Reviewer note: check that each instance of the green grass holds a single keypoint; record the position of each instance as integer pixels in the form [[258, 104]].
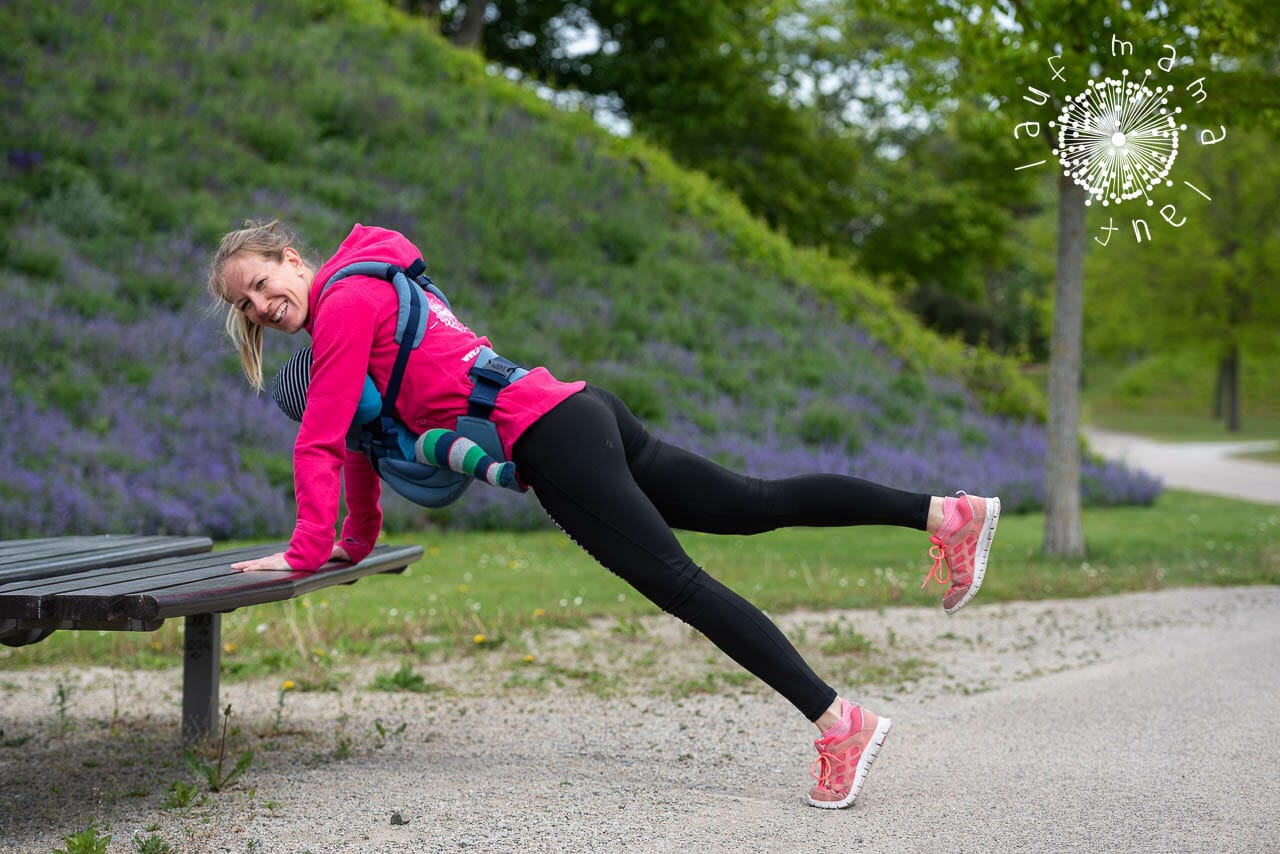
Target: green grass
[[480, 591], [1169, 396], [1272, 456], [1185, 427]]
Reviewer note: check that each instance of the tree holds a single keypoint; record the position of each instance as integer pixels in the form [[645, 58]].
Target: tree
[[463, 23], [940, 213], [779, 102], [695, 77], [1011, 51], [1208, 285]]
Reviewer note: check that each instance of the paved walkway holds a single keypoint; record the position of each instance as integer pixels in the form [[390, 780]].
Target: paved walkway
[[1208, 467]]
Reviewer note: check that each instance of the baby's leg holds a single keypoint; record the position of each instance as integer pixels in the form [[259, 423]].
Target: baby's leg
[[451, 450]]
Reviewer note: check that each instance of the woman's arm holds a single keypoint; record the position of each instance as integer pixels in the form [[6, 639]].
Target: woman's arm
[[342, 337], [364, 512]]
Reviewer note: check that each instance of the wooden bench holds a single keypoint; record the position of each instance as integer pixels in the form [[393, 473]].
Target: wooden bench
[[136, 583]]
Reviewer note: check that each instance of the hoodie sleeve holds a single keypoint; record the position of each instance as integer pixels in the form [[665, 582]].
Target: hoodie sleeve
[[364, 513], [341, 341]]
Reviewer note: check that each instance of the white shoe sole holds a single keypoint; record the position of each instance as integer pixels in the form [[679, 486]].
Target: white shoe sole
[[981, 553], [864, 764]]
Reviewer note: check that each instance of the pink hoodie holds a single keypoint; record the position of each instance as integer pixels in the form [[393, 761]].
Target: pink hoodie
[[352, 327]]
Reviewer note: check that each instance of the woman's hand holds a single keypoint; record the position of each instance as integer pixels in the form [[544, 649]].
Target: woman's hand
[[275, 561]]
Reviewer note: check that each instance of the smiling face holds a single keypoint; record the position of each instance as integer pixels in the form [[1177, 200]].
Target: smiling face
[[269, 293]]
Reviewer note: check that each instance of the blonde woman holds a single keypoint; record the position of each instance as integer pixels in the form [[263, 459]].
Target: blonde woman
[[611, 486]]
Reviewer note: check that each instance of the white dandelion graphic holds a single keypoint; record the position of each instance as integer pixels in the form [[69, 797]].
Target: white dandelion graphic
[[1118, 139]]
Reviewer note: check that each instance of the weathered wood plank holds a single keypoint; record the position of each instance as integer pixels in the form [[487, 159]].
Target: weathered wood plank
[[23, 560], [192, 584]]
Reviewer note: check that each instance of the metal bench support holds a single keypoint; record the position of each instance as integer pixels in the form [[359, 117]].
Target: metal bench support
[[202, 656]]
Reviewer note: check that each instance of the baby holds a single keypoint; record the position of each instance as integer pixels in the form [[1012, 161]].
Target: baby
[[438, 447]]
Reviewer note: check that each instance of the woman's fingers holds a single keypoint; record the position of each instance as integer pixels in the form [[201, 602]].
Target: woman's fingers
[[275, 561]]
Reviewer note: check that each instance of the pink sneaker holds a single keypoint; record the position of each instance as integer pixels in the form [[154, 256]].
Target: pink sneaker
[[845, 754], [963, 543]]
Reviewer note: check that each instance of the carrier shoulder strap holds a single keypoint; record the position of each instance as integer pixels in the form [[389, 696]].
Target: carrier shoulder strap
[[412, 317], [490, 373]]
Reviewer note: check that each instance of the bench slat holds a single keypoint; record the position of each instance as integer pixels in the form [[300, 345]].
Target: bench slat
[[18, 551], [50, 559], [113, 592], [193, 585], [124, 577], [237, 590]]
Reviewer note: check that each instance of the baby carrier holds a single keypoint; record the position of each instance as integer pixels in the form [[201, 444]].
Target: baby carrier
[[376, 432]]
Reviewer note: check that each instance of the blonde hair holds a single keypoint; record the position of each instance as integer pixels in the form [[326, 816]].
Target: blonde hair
[[268, 239]]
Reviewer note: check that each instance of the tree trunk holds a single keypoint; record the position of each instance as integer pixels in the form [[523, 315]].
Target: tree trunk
[[1063, 527], [472, 27], [1220, 389], [1231, 384]]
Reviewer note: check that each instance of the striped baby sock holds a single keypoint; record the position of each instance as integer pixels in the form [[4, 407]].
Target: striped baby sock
[[451, 450]]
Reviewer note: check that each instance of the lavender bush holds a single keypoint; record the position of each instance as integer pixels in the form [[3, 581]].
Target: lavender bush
[[141, 427], [154, 431]]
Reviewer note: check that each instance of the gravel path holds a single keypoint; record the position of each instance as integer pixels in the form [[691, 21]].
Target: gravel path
[[1144, 722]]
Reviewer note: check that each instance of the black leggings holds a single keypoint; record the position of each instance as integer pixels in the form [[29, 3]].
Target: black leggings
[[617, 491]]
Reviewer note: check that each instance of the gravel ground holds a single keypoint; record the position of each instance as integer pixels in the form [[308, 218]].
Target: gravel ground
[[1144, 722]]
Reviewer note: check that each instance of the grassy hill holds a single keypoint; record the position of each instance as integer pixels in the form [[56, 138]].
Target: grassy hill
[[137, 133]]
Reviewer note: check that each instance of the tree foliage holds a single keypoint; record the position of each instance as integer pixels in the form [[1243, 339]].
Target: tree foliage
[[694, 76], [952, 54], [1207, 285]]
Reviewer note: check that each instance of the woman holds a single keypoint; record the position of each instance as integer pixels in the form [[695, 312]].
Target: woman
[[614, 489]]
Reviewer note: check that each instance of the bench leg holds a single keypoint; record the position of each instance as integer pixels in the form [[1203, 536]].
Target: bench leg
[[202, 657]]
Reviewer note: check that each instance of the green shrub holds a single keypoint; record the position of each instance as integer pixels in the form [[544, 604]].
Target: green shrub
[[277, 138], [33, 259], [76, 204], [824, 423], [643, 396], [276, 467], [152, 291]]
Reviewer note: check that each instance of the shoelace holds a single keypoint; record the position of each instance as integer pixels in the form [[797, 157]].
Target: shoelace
[[823, 769], [939, 554]]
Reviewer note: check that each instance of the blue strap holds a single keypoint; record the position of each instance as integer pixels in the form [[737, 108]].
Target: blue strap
[[397, 371], [418, 272], [489, 375], [408, 295]]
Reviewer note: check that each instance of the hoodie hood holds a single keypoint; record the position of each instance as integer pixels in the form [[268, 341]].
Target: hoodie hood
[[364, 243]]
